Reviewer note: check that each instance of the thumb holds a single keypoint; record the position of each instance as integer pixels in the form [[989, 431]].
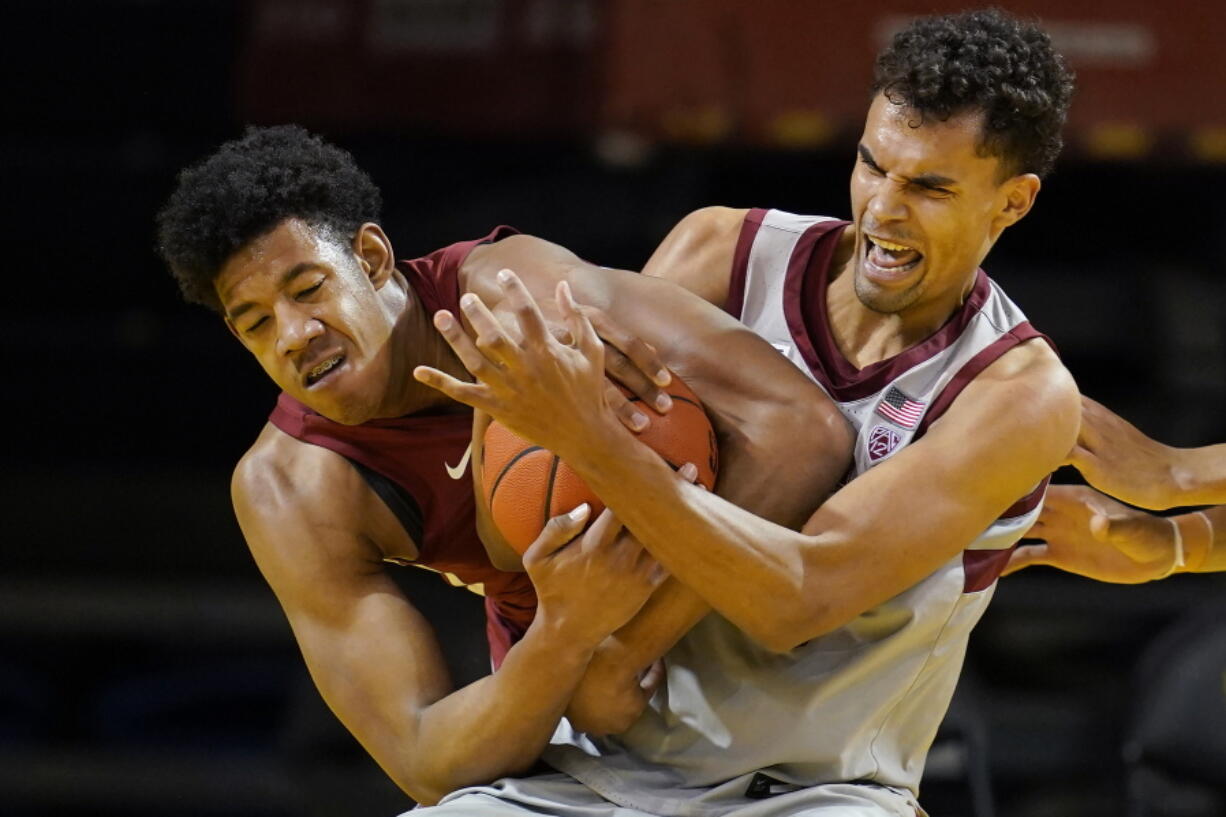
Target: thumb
[[653, 676], [557, 532], [1025, 556]]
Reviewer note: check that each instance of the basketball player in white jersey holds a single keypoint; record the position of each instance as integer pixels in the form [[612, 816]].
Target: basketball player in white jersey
[[818, 684]]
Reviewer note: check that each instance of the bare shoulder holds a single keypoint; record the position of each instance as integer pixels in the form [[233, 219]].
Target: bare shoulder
[[280, 475], [299, 502], [1031, 395], [698, 252], [1032, 366]]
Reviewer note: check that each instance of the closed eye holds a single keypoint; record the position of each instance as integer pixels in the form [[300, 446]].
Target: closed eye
[[309, 290], [251, 329]]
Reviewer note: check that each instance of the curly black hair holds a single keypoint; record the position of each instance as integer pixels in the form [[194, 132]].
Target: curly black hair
[[248, 187], [989, 61]]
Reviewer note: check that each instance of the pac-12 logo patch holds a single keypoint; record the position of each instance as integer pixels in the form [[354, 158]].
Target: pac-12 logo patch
[[882, 441]]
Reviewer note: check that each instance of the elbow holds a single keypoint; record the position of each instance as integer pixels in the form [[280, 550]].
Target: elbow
[[787, 627], [795, 624]]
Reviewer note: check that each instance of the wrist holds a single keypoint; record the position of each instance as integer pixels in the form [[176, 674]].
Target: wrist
[[1196, 534], [599, 441], [564, 635]]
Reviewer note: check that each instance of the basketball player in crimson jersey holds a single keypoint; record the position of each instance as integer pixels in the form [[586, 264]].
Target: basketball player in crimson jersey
[[820, 686], [360, 466]]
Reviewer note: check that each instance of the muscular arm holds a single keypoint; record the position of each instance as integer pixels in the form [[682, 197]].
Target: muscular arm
[[1115, 457], [783, 444], [697, 253], [877, 536], [373, 657]]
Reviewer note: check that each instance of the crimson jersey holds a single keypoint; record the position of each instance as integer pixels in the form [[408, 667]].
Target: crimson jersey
[[409, 462]]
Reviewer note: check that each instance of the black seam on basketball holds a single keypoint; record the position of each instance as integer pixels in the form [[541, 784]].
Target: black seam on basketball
[[553, 473], [507, 467]]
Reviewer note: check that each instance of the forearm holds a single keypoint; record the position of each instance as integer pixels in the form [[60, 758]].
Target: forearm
[[712, 547], [1199, 476], [491, 728], [614, 690]]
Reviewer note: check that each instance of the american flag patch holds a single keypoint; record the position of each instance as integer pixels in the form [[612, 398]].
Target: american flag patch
[[899, 408]]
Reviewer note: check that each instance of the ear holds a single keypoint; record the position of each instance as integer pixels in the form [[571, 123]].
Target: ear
[[1019, 193], [374, 252]]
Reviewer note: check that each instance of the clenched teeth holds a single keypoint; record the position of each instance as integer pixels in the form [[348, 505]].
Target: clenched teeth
[[323, 368], [889, 245]]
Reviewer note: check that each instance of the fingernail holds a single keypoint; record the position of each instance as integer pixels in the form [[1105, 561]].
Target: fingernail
[[444, 321], [639, 419], [467, 300], [689, 472], [664, 402], [663, 377], [579, 513], [504, 276]]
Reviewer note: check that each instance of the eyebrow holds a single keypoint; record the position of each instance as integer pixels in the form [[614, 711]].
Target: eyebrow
[[288, 276], [927, 180]]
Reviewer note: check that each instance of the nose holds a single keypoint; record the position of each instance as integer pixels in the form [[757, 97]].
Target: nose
[[297, 329], [888, 202]]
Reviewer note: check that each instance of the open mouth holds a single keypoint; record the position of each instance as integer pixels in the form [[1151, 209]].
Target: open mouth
[[890, 258], [322, 369]]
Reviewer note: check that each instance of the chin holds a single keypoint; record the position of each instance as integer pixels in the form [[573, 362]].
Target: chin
[[884, 301]]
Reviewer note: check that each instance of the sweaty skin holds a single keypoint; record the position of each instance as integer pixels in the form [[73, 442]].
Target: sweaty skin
[[305, 307], [928, 193]]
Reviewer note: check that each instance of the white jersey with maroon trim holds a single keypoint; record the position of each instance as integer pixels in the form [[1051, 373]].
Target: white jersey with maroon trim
[[863, 703]]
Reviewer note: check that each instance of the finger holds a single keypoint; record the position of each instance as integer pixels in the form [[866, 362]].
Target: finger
[[586, 339], [688, 472], [561, 334], [603, 531], [492, 339], [557, 532], [527, 313], [466, 350], [1025, 556], [641, 354], [653, 676], [627, 411], [471, 394], [622, 369]]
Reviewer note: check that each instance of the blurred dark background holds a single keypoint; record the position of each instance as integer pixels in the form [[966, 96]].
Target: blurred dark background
[[145, 668]]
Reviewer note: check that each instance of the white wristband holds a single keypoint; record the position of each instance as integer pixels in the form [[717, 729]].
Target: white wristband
[[1208, 522], [1179, 559]]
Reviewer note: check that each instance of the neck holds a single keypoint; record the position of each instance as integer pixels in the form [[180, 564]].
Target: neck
[[865, 336], [415, 342]]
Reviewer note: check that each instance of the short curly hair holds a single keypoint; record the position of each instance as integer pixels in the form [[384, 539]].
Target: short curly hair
[[248, 187], [989, 61]]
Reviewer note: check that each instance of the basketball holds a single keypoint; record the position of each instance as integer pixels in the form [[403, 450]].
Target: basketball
[[526, 485]]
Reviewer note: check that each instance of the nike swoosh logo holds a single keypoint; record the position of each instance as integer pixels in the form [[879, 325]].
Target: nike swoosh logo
[[457, 471]]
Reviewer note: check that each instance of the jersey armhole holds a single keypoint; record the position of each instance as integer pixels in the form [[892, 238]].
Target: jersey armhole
[[399, 501]]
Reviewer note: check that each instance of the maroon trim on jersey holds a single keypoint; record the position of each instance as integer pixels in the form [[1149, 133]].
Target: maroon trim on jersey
[[982, 567], [735, 302], [434, 277], [973, 367], [808, 268], [804, 306], [1029, 502]]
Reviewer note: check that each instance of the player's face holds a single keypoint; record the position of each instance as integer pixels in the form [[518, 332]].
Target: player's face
[[927, 209], [307, 308]]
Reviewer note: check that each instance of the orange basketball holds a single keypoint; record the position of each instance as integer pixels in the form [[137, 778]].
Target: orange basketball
[[526, 485]]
